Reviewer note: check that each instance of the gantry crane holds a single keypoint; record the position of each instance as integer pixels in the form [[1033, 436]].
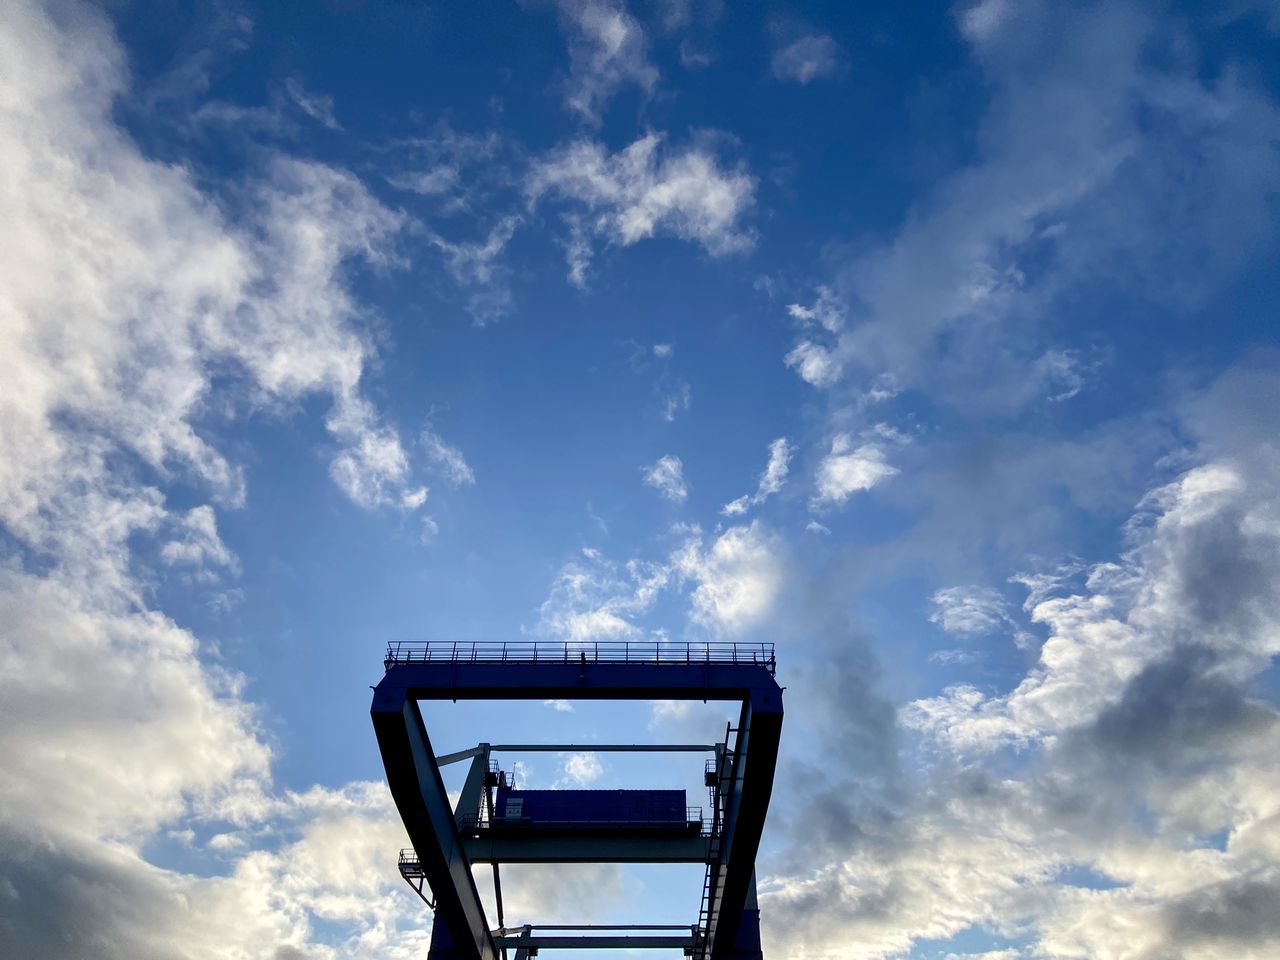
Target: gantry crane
[[495, 823]]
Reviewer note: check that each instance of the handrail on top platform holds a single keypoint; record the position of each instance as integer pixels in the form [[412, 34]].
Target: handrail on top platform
[[595, 651]]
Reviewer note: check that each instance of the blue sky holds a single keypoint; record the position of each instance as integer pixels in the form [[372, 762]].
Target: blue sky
[[936, 345]]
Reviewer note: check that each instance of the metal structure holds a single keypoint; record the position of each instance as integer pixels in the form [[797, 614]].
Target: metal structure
[[494, 823]]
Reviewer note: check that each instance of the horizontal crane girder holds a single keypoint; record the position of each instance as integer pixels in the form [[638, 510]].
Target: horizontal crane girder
[[625, 942], [586, 849]]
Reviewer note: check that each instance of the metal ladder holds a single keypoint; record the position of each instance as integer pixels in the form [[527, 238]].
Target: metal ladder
[[702, 940]]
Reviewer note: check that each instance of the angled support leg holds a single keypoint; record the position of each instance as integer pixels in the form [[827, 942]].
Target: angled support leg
[[460, 930]]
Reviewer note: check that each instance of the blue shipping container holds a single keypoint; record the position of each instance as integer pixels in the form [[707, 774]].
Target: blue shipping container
[[665, 808]]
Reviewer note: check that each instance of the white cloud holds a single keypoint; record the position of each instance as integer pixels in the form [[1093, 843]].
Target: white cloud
[[137, 283], [151, 734], [775, 471], [643, 191], [607, 51], [669, 712], [1131, 615], [735, 583], [145, 267], [972, 611], [666, 476], [816, 364], [413, 499], [124, 292], [846, 470], [200, 545], [582, 769], [738, 579], [1147, 766], [771, 481], [446, 459], [591, 599], [806, 59], [373, 468], [827, 311]]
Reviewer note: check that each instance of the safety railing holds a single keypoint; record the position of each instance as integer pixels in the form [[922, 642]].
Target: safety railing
[[601, 651], [414, 875]]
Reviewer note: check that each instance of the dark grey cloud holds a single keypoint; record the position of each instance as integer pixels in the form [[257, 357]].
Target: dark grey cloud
[[1237, 917]]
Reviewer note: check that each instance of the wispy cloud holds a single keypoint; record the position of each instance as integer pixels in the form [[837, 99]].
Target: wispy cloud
[[771, 480], [827, 312], [969, 610], [477, 265], [446, 459], [1053, 200], [317, 106], [643, 191], [607, 51], [666, 476], [197, 544], [807, 58]]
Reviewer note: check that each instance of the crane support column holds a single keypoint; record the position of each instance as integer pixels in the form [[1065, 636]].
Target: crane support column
[[460, 927]]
